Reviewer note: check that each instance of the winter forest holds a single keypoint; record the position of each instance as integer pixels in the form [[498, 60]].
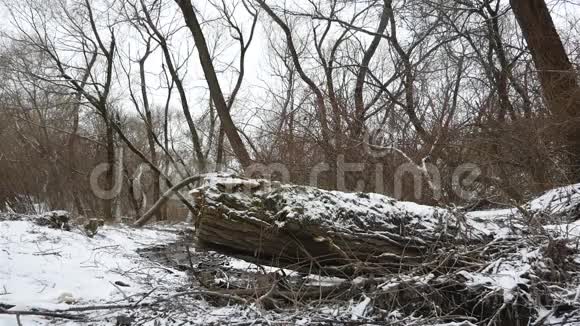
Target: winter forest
[[290, 162]]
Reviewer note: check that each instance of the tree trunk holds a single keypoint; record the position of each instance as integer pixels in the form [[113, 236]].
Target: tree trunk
[[71, 149], [309, 229], [110, 174], [149, 129], [359, 122], [161, 40], [220, 163], [214, 87], [556, 73]]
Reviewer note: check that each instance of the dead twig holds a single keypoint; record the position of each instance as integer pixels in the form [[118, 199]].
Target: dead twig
[[120, 290], [53, 314], [65, 313]]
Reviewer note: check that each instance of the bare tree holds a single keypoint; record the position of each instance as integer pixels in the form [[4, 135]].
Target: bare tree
[[556, 73], [92, 44], [217, 96], [173, 70]]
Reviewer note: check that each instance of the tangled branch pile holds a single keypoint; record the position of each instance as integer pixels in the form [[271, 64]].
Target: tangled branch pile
[[401, 260]]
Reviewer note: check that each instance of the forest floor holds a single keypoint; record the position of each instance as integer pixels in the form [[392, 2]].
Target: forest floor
[[126, 274], [153, 276]]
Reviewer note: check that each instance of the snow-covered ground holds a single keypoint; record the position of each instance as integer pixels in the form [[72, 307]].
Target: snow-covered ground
[[54, 269], [67, 272]]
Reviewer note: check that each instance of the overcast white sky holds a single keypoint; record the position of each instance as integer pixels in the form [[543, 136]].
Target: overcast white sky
[[258, 74]]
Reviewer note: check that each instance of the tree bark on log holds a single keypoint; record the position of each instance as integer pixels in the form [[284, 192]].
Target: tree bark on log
[[312, 230]]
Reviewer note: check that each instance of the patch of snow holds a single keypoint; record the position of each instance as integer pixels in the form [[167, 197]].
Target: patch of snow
[[505, 275], [398, 280], [557, 201], [566, 230], [46, 268], [361, 309]]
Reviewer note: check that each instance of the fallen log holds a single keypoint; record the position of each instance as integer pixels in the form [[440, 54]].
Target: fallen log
[[313, 230]]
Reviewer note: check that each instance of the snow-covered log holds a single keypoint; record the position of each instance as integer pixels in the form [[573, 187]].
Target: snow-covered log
[[306, 228]]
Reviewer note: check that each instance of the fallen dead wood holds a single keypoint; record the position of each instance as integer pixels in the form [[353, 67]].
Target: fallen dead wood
[[309, 229], [69, 313], [172, 191], [52, 314]]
